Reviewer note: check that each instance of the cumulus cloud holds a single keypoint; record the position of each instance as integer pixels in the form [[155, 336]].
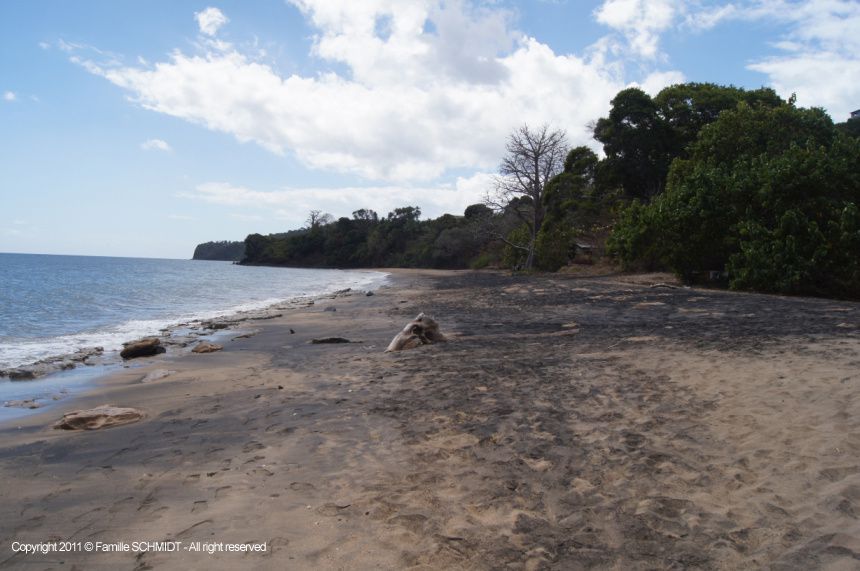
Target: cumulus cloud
[[9, 96], [210, 20], [413, 103], [640, 21], [819, 57], [155, 145], [656, 81]]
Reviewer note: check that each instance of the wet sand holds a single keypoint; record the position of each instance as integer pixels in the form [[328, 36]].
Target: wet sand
[[570, 423]]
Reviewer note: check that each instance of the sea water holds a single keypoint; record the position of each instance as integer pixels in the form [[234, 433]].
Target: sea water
[[54, 305]]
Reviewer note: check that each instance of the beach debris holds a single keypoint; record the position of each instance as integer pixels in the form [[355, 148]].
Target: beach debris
[[104, 416], [330, 308], [26, 403], [292, 332], [330, 340], [369, 293], [647, 304], [142, 348], [206, 347], [156, 375], [422, 330], [247, 335]]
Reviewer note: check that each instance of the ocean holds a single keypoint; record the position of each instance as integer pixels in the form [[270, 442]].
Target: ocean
[[54, 305]]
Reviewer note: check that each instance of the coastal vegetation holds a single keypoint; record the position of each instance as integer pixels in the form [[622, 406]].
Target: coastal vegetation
[[713, 183], [225, 250]]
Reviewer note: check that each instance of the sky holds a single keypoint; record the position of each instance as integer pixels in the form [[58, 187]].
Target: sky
[[145, 128]]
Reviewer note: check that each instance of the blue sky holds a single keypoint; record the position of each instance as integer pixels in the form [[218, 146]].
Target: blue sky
[[144, 128]]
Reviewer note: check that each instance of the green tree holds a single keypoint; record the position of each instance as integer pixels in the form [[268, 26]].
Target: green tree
[[642, 136], [571, 203], [637, 144], [769, 194]]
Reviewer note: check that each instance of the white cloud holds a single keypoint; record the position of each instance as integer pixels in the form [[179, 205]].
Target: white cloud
[[823, 79], [210, 20], [413, 103], [181, 217], [820, 59], [293, 204], [155, 145], [641, 22], [45, 45], [818, 49], [656, 81], [9, 96]]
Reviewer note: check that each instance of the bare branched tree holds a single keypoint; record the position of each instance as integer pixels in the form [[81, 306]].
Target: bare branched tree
[[317, 218], [533, 157]]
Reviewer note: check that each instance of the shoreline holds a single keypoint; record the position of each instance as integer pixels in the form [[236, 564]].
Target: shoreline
[[92, 363], [567, 423]]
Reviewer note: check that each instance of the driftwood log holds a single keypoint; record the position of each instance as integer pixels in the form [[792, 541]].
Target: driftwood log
[[422, 330]]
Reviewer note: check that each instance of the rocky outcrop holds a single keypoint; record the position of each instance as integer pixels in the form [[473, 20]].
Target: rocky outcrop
[[52, 364], [104, 416], [22, 374], [206, 347], [142, 348], [215, 325]]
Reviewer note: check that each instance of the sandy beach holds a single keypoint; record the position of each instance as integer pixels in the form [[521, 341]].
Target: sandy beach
[[569, 423]]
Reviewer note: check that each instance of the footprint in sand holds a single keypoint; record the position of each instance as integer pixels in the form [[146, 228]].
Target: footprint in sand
[[199, 506], [120, 504], [331, 509], [413, 522], [252, 446], [302, 487], [88, 512], [194, 527], [261, 471]]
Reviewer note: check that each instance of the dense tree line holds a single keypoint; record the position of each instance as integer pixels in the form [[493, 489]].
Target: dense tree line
[[224, 250], [701, 179], [768, 197], [400, 239]]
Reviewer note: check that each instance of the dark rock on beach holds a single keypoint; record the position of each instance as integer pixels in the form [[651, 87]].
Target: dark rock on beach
[[142, 348], [326, 340], [21, 374], [218, 324]]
